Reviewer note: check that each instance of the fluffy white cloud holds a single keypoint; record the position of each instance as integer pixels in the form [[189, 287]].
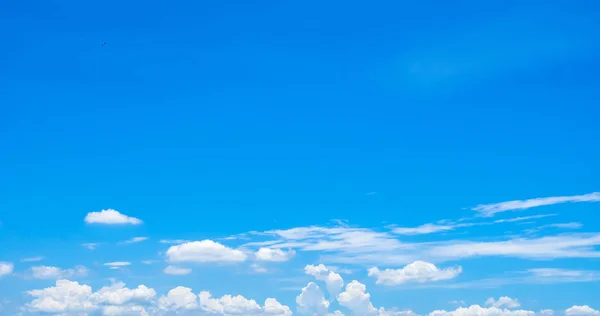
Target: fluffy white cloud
[[134, 310], [179, 298], [333, 281], [503, 301], [204, 251], [312, 301], [583, 310], [110, 217], [546, 312], [418, 271], [491, 209], [273, 254], [118, 294], [356, 299], [173, 270], [273, 307], [6, 268], [476, 310], [49, 272], [64, 297]]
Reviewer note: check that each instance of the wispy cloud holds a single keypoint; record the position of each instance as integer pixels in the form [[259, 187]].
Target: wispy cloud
[[173, 241], [134, 240], [49, 272], [91, 245], [431, 228], [32, 259], [494, 208]]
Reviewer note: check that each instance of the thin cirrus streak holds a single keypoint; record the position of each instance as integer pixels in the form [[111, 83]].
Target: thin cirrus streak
[[488, 210]]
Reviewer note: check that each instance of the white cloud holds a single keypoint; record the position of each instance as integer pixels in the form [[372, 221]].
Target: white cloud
[[423, 229], [476, 310], [356, 299], [49, 272], [312, 301], [117, 264], [274, 255], [135, 240], [110, 217], [32, 259], [179, 298], [173, 270], [418, 271], [581, 311], [173, 241], [118, 294], [133, 310], [204, 251], [149, 261], [333, 281], [6, 268], [273, 307], [258, 268], [503, 301], [64, 297], [546, 312], [563, 246], [90, 245], [491, 209]]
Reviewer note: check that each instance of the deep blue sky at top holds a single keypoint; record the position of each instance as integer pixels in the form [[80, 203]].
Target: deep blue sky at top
[[219, 117]]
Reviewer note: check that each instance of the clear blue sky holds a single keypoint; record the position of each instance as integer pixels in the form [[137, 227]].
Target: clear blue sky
[[208, 120]]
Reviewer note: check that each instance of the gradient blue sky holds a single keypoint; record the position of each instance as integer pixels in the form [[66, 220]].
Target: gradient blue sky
[[213, 120]]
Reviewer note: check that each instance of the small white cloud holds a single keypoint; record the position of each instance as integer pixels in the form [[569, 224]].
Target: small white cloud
[[423, 229], [6, 268], [503, 301], [583, 310], [333, 281], [356, 299], [258, 268], [173, 241], [204, 251], [491, 209], [546, 312], [110, 217], [135, 240], [90, 245], [32, 259], [149, 261], [173, 270], [457, 302], [49, 272], [117, 264], [418, 271], [274, 255], [312, 301], [476, 310]]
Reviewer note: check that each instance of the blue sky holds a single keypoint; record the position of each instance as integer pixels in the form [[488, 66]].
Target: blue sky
[[151, 170]]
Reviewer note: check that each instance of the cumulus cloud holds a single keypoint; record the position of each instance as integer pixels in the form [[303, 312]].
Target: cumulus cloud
[[65, 297], [118, 294], [503, 301], [273, 254], [583, 310], [312, 301], [333, 281], [204, 251], [418, 271], [49, 272], [179, 298], [476, 310], [356, 299], [173, 270], [494, 208], [6, 268], [110, 217]]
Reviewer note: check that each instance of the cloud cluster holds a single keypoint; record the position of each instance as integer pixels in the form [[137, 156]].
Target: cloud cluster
[[6, 268]]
